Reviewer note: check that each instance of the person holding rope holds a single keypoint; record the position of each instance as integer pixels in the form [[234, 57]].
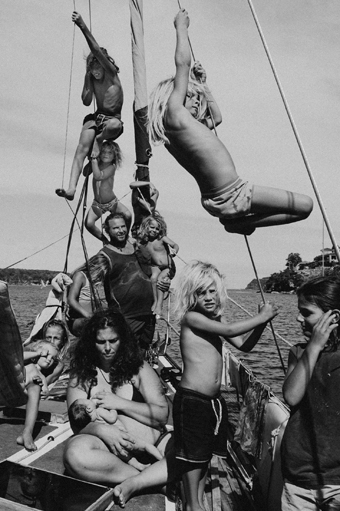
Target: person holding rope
[[102, 83], [105, 200], [179, 118]]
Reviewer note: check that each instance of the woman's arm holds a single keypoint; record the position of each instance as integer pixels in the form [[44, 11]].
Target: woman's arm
[[300, 371], [153, 412], [79, 281]]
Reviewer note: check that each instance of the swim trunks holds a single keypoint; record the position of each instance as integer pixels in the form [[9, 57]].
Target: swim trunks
[[108, 206], [200, 426], [98, 121], [231, 201]]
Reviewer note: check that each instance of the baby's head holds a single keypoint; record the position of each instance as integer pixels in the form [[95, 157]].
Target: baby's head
[[50, 354], [81, 413], [55, 332], [111, 152]]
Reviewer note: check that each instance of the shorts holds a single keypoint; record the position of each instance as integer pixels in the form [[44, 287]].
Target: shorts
[[108, 206], [200, 426], [98, 121], [231, 201], [297, 498]]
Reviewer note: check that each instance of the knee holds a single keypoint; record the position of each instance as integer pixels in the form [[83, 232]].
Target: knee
[[74, 454], [114, 127]]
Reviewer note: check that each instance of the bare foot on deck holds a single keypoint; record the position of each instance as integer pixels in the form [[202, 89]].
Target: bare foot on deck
[[67, 194], [26, 440], [124, 491], [97, 145]]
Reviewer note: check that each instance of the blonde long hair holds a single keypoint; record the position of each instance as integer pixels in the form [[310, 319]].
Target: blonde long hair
[[158, 103], [195, 278]]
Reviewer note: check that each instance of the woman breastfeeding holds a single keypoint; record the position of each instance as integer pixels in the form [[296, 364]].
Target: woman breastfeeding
[[108, 368]]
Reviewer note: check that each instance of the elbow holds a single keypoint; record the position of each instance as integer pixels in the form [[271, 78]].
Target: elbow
[[290, 398]]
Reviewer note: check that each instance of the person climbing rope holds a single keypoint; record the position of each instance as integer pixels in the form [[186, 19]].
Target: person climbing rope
[[179, 118], [103, 84]]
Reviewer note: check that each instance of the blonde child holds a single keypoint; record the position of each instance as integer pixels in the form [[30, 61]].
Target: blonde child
[[39, 375], [101, 83], [160, 249], [105, 199], [179, 119], [199, 413], [84, 411]]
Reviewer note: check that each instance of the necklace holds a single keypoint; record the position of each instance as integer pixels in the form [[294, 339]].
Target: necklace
[[107, 381]]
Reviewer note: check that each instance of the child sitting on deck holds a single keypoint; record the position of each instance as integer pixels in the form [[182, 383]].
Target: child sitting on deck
[[105, 199], [38, 376], [175, 119], [199, 412], [154, 243], [310, 446], [84, 411], [101, 83]]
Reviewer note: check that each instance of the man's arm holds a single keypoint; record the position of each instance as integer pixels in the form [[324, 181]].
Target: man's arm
[[87, 92]]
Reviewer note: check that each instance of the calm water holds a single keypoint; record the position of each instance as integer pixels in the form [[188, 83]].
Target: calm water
[[264, 361]]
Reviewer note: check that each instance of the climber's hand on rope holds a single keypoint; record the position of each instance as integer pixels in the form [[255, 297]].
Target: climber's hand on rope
[[268, 311], [77, 19], [182, 19], [198, 72]]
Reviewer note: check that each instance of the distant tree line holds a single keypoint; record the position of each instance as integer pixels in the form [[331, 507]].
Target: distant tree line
[[295, 273], [22, 276]]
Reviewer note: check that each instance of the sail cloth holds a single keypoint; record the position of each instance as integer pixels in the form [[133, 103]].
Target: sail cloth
[[140, 107], [12, 372]]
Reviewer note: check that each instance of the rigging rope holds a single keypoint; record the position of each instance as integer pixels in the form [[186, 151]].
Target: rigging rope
[[292, 123]]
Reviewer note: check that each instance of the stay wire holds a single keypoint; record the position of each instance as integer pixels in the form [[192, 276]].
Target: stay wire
[[264, 301], [292, 123]]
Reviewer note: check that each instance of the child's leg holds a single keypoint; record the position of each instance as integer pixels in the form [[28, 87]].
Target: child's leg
[[123, 210], [112, 130], [155, 272], [271, 206], [160, 294], [32, 407], [194, 483], [84, 145], [92, 216]]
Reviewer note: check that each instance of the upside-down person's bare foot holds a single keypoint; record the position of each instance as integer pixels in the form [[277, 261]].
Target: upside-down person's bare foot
[[26, 440], [69, 195]]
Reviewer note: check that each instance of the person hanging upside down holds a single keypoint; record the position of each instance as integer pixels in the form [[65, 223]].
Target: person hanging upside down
[[153, 242], [103, 84], [179, 118], [105, 199]]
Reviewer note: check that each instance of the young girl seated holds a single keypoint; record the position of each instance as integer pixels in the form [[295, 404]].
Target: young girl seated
[[154, 243], [105, 200], [84, 411], [39, 375], [179, 118]]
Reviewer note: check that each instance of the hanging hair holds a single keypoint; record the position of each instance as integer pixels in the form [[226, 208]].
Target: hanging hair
[[92, 267], [158, 104], [85, 358], [195, 278], [143, 231], [92, 60], [324, 292], [118, 156]]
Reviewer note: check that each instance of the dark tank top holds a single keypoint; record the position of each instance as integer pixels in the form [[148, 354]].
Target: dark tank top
[[126, 285], [311, 442]]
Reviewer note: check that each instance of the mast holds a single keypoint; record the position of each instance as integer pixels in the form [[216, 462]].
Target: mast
[[140, 108]]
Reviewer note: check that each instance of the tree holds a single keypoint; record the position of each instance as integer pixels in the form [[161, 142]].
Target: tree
[[293, 260]]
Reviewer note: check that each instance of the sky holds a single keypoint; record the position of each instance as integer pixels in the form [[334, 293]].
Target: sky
[[43, 67]]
